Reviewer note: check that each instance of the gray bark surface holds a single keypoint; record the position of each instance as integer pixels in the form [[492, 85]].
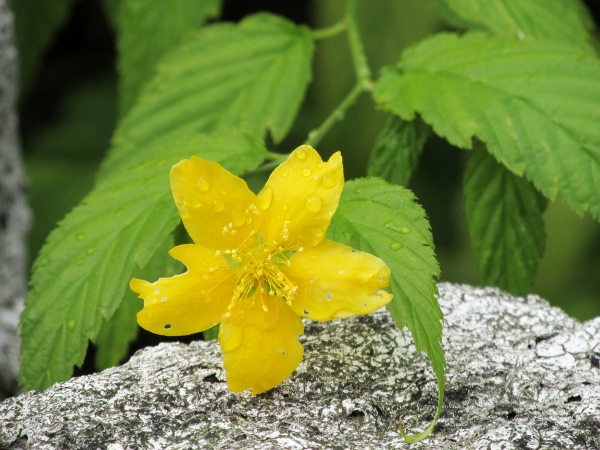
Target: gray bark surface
[[521, 375], [14, 213]]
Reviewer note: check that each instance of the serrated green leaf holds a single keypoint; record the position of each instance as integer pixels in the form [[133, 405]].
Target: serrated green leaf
[[82, 272], [36, 24], [146, 29], [385, 220], [121, 329], [533, 103], [564, 20], [504, 216], [116, 333], [250, 76], [397, 150]]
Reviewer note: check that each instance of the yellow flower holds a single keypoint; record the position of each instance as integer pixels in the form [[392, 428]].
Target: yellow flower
[[259, 263]]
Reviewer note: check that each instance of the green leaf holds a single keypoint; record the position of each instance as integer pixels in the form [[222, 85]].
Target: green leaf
[[397, 150], [83, 270], [212, 333], [112, 342], [250, 76], [564, 20], [146, 29], [534, 104], [36, 24], [121, 329], [385, 220], [504, 216]]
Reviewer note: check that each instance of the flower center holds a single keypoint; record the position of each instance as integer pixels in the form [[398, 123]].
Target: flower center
[[258, 266]]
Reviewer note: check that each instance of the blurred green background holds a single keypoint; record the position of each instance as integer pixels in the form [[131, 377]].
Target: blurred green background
[[69, 109]]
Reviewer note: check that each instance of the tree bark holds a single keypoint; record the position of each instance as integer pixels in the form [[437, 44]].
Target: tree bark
[[521, 374], [14, 212]]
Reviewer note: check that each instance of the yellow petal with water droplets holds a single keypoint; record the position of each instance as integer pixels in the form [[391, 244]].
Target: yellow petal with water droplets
[[213, 203], [303, 193], [260, 347], [191, 302], [335, 281]]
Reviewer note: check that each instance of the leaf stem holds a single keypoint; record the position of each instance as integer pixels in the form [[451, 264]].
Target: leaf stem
[[363, 76], [361, 67], [274, 160], [327, 32], [338, 114]]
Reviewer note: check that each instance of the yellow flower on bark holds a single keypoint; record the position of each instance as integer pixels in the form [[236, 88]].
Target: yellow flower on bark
[[259, 263]]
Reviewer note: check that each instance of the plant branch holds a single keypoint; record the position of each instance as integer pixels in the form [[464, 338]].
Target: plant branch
[[363, 76], [361, 67], [338, 114], [334, 30]]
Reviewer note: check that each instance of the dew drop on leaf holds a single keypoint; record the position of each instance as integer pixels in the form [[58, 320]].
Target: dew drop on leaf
[[80, 236], [395, 245], [397, 228], [71, 325]]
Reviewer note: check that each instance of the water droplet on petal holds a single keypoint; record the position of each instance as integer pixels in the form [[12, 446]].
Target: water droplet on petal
[[314, 203], [164, 299], [300, 154], [196, 203], [184, 212], [307, 172], [205, 276], [329, 297], [317, 232], [238, 217], [264, 197], [285, 174], [327, 181], [395, 245], [219, 205], [223, 192], [179, 201], [203, 184]]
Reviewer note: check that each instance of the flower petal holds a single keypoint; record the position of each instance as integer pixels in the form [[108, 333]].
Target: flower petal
[[191, 302], [213, 203], [335, 280], [300, 197], [260, 348]]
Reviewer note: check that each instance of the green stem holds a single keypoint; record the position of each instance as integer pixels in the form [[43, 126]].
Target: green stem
[[274, 160], [363, 75], [361, 67], [273, 156], [338, 114], [325, 33]]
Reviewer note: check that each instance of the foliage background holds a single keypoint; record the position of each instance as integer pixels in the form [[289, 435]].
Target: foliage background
[[69, 109]]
